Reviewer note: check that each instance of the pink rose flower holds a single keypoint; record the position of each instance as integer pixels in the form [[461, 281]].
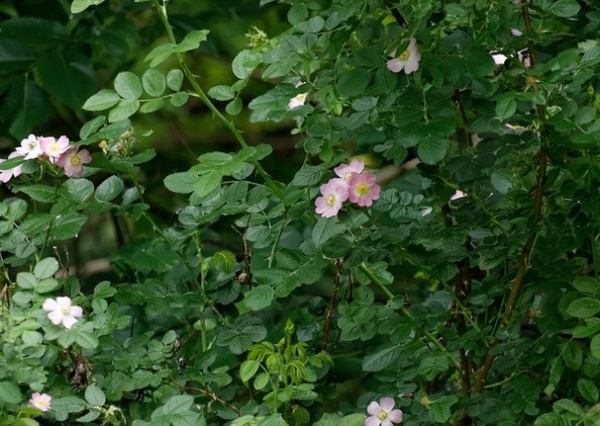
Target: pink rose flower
[[383, 413], [407, 61], [53, 147], [362, 189], [334, 194], [41, 401], [73, 161], [61, 311]]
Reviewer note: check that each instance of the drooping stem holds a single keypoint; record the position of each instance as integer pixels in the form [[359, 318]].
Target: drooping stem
[[162, 11], [430, 337]]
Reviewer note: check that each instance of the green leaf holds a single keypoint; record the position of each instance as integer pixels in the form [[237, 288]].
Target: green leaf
[[297, 14], [178, 404], [26, 280], [32, 338], [181, 183], [567, 405], [159, 54], [325, 229], [584, 307], [308, 176], [79, 6], [501, 181], [46, 286], [352, 83], [87, 339], [595, 346], [588, 390], [382, 359], [78, 190], [440, 409], [151, 106], [102, 100], [124, 109], [175, 79], [234, 107], [109, 189], [94, 395], [92, 126], [565, 8], [179, 99], [68, 225], [506, 107], [128, 85], [207, 183], [588, 285], [45, 268], [28, 105], [154, 82], [10, 393], [244, 63], [221, 93], [67, 75], [259, 297], [248, 369], [432, 150], [192, 40], [40, 193]]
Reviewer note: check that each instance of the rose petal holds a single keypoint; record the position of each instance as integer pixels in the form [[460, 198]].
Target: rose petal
[[372, 421], [374, 408], [56, 317], [395, 415], [387, 403]]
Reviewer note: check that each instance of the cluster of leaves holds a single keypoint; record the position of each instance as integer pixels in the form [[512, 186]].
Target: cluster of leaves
[[469, 291]]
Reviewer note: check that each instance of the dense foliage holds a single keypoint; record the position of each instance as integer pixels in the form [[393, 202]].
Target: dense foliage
[[431, 259]]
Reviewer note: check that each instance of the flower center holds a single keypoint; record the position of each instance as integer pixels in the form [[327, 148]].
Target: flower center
[[382, 415], [331, 200], [74, 160], [362, 189], [65, 310], [405, 55]]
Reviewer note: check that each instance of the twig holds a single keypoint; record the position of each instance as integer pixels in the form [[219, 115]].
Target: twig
[[204, 392]]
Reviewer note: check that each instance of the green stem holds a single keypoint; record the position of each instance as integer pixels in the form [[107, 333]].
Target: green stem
[[162, 11], [407, 313]]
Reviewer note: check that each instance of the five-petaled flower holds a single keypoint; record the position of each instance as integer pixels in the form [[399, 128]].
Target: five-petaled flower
[[30, 148], [334, 194], [41, 401], [345, 171], [53, 147], [383, 413], [72, 161], [362, 189], [61, 311], [407, 60]]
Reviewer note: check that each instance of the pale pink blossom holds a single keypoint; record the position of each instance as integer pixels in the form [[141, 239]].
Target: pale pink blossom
[[297, 101], [499, 58], [6, 175], [362, 189], [72, 161], [30, 148], [344, 171], [61, 311], [334, 193], [515, 32], [53, 147], [41, 401], [458, 194], [383, 413], [407, 61]]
